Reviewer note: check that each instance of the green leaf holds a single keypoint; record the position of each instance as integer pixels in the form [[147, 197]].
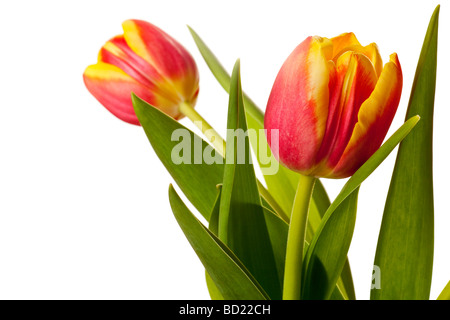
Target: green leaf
[[345, 285], [327, 253], [405, 244], [242, 224], [214, 217], [445, 294], [232, 279], [214, 292], [278, 232], [197, 181]]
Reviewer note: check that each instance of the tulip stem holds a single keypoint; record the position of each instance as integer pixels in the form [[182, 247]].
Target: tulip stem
[[296, 239], [204, 126]]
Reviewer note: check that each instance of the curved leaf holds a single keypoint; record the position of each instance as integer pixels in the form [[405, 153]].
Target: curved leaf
[[242, 224], [231, 278], [327, 254], [406, 240]]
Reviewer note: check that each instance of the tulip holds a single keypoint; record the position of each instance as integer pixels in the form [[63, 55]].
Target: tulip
[[146, 61], [333, 102]]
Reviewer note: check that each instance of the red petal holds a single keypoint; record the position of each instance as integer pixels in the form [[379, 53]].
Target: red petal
[[374, 119], [298, 104]]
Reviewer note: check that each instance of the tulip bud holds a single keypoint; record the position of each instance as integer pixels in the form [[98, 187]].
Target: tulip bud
[[147, 62], [333, 103]]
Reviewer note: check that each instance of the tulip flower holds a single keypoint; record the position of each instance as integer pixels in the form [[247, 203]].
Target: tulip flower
[[146, 61], [333, 102]]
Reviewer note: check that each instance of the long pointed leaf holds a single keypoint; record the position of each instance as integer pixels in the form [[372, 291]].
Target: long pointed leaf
[[327, 253], [213, 226], [229, 275], [330, 250], [405, 245], [242, 224]]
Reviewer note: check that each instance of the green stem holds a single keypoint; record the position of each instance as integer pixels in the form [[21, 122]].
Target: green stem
[[204, 126], [296, 239]]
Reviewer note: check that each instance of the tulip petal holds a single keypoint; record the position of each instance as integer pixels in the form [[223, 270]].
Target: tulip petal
[[112, 87], [372, 52], [167, 56], [357, 84], [356, 79], [374, 119], [343, 41], [298, 104], [348, 42], [117, 52]]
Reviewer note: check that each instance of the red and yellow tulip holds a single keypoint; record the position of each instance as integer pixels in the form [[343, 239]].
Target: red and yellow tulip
[[333, 102], [146, 61]]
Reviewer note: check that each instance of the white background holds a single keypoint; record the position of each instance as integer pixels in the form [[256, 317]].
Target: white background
[[84, 211]]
